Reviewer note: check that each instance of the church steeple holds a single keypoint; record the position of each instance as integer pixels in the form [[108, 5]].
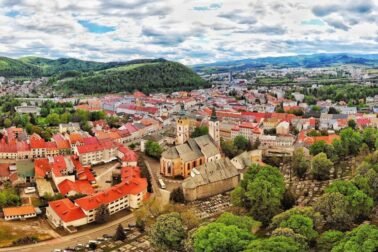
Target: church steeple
[[214, 127], [182, 111], [213, 115]]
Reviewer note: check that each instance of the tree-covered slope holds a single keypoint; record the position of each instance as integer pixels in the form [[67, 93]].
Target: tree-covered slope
[[147, 77], [11, 68]]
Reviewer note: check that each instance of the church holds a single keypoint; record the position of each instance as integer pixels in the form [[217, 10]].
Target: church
[[178, 161]]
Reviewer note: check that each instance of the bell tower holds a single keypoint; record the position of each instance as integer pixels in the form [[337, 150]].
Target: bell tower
[[182, 127], [214, 127]]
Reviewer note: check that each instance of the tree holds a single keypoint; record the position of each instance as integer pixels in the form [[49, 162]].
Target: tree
[[300, 224], [261, 192], [352, 140], [120, 234], [102, 214], [7, 123], [53, 119], [363, 238], [352, 124], [299, 163], [321, 166], [200, 131], [369, 136], [241, 143], [309, 212], [168, 232], [334, 208], [317, 147], [177, 195], [341, 150], [328, 240], [153, 149], [221, 238], [229, 148], [288, 200], [275, 244], [332, 110], [359, 204], [243, 222]]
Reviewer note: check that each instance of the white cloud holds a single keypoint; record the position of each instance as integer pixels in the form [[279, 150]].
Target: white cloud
[[189, 31]]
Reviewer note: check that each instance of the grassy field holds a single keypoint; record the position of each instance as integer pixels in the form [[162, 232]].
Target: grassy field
[[13, 230], [129, 67]]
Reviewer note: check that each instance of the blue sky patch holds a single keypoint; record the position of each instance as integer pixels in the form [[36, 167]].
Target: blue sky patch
[[315, 21], [214, 6], [12, 14], [96, 28]]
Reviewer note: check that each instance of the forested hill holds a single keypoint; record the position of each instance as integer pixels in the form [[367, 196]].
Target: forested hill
[[146, 77], [12, 67], [37, 66]]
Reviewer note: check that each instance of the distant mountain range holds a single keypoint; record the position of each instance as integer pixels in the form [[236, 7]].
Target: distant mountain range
[[307, 61], [89, 77]]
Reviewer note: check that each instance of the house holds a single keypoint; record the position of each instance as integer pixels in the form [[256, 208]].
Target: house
[[64, 213], [128, 194], [25, 170], [37, 146], [69, 127], [19, 213], [247, 158], [127, 156], [97, 153], [210, 179], [283, 128]]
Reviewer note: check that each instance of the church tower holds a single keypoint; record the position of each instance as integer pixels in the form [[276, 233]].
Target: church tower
[[182, 127], [214, 126]]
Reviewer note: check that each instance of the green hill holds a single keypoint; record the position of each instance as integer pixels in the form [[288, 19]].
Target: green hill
[[12, 68], [147, 77], [88, 77]]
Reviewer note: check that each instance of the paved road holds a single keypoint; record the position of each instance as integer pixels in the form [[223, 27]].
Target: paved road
[[73, 239]]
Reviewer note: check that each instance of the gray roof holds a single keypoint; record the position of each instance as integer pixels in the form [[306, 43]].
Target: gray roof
[[193, 149], [186, 153], [207, 145], [171, 153], [217, 170]]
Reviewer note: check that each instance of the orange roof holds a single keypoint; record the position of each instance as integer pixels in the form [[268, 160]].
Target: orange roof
[[79, 186], [134, 186], [41, 167], [36, 142], [21, 210], [66, 210], [76, 137]]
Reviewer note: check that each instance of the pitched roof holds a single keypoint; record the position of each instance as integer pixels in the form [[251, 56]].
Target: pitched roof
[[41, 167], [79, 186], [4, 170], [66, 210], [134, 186], [16, 211]]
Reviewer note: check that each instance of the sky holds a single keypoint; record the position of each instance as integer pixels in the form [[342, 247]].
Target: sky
[[188, 31]]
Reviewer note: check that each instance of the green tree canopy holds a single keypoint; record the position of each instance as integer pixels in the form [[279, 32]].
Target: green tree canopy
[[363, 238], [275, 244], [168, 232], [221, 237], [299, 163], [321, 166], [261, 192]]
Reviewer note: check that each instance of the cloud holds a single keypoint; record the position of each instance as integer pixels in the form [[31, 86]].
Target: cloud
[[189, 31], [337, 24], [239, 17]]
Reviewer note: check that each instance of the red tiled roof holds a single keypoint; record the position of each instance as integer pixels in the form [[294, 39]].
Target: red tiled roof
[[79, 186], [135, 186], [41, 167], [66, 210], [36, 142], [95, 147], [59, 165]]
